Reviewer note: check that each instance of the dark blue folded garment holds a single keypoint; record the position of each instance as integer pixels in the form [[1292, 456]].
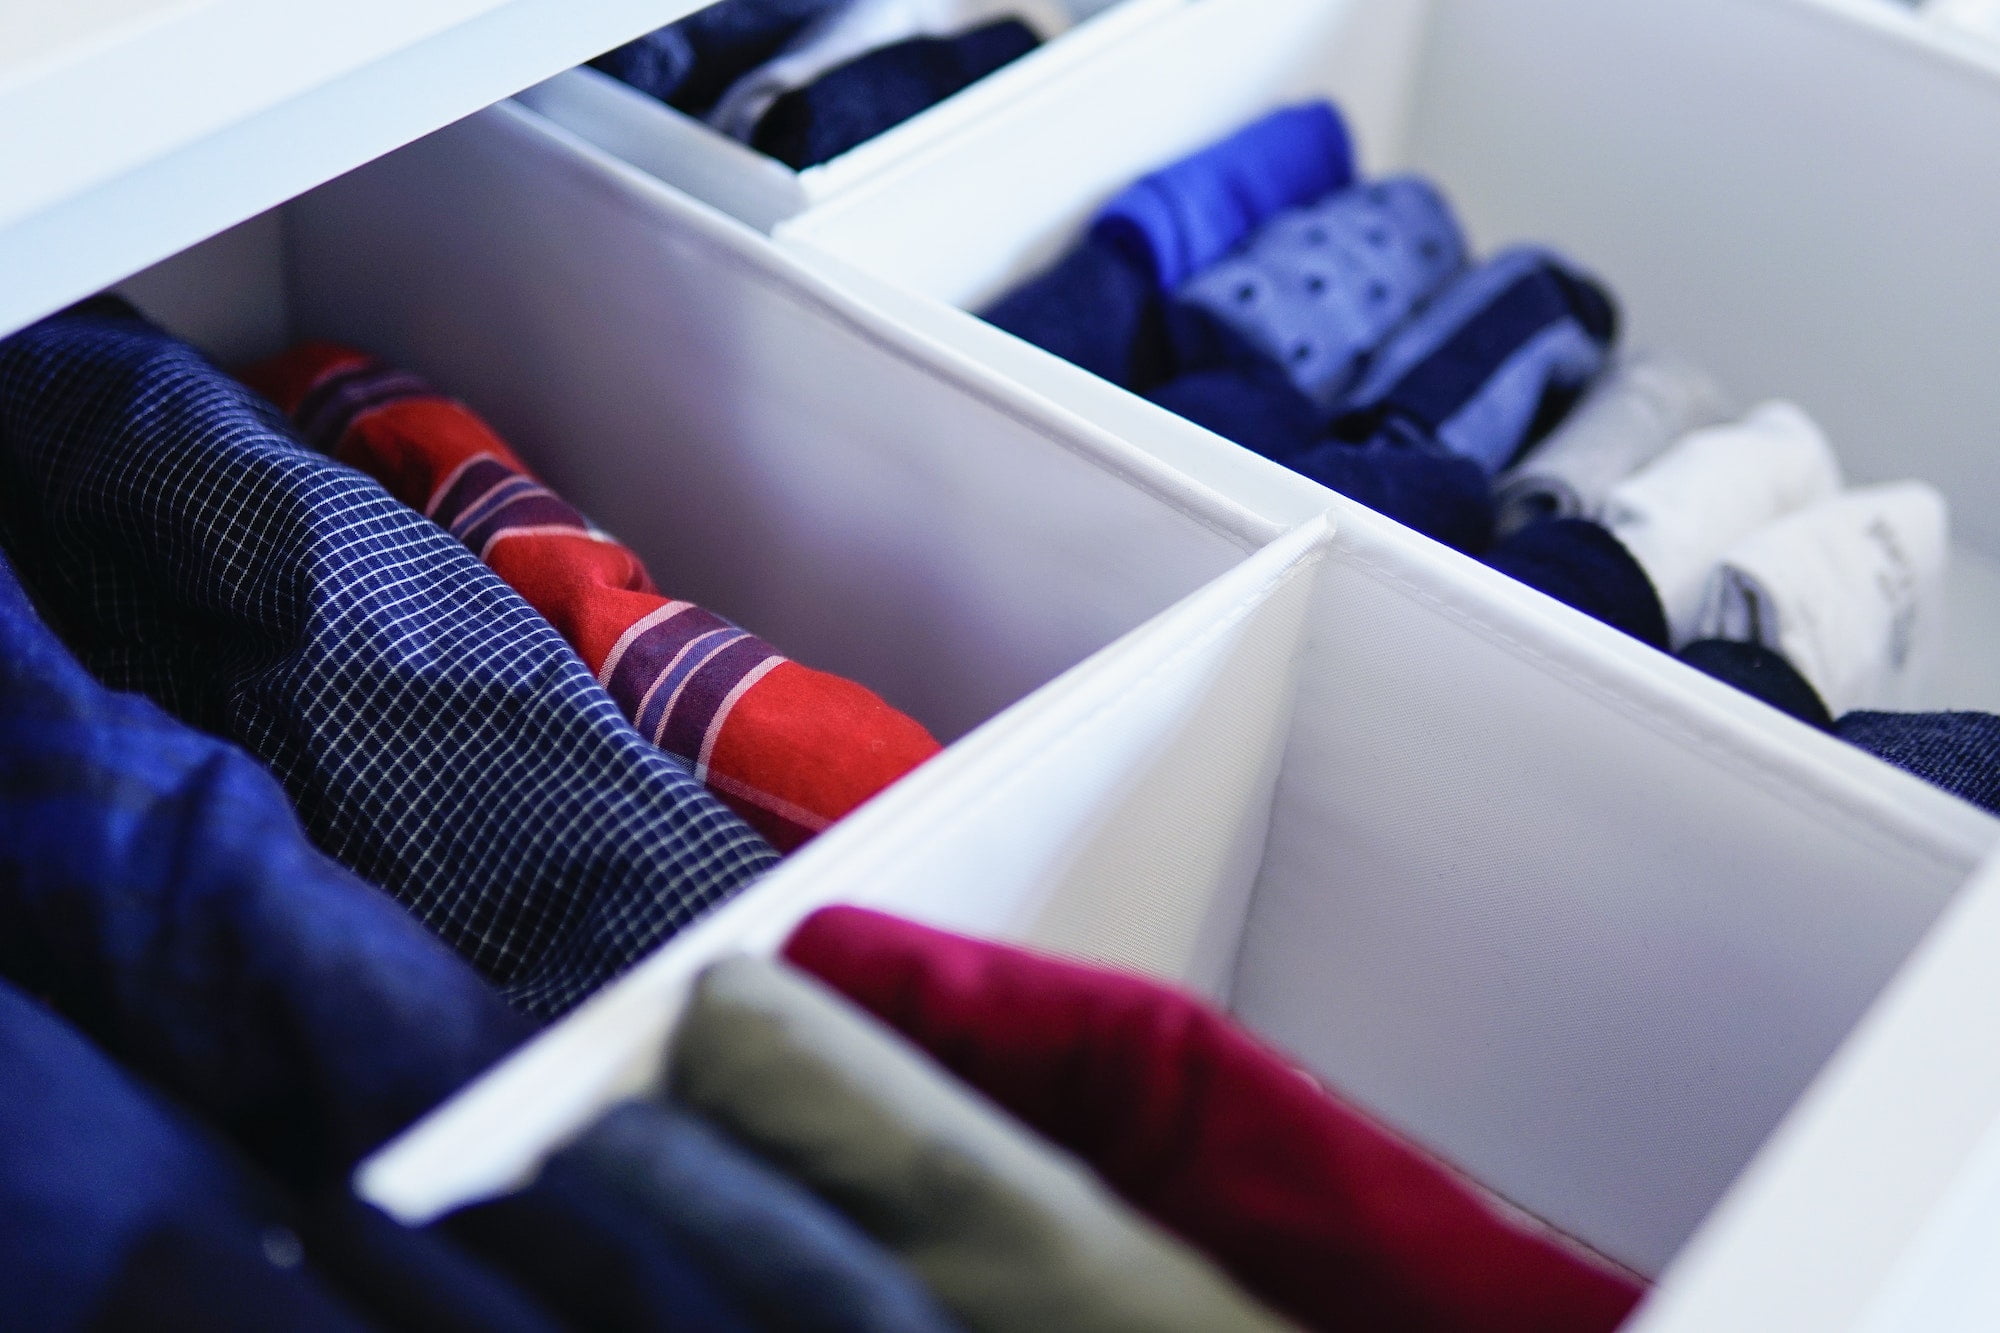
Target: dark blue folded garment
[[1761, 674], [852, 103], [596, 1257], [119, 1213], [689, 64], [788, 1256], [1959, 752], [1580, 564], [435, 734], [1253, 403], [155, 886], [1445, 497], [1096, 308], [1492, 364], [1184, 217]]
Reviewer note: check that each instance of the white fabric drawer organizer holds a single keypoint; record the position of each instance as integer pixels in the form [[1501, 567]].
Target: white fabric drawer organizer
[[683, 151]]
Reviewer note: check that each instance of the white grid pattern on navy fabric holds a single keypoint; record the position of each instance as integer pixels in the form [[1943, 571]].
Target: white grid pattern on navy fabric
[[436, 734]]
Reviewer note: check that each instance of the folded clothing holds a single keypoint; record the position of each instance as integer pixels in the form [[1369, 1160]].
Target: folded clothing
[[1009, 1233], [1643, 404], [1098, 308], [852, 103], [1682, 512], [1580, 564], [1319, 287], [1847, 590], [855, 28], [789, 748], [1178, 220], [1444, 496], [434, 733], [1761, 674], [1312, 1205], [158, 890], [1959, 752], [789, 1258], [1490, 365], [689, 63], [1252, 402]]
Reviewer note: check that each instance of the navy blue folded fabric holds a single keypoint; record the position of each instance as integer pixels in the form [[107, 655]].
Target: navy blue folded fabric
[[434, 733], [1580, 564], [597, 1258], [690, 63], [1445, 497], [156, 887], [792, 1260], [852, 103], [1492, 364], [1096, 308], [122, 1214], [1182, 218], [1958, 751], [1760, 673], [1252, 402]]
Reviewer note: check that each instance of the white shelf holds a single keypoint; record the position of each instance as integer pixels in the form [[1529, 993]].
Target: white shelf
[[134, 128]]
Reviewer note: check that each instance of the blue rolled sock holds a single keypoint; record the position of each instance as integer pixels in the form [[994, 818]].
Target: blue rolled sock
[[1762, 674], [1492, 364], [1319, 287], [1255, 404], [852, 103], [1580, 564], [1958, 751], [1446, 498], [690, 63], [1096, 308], [1182, 218]]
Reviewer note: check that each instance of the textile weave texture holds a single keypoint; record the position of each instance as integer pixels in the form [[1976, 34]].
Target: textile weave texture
[[436, 735]]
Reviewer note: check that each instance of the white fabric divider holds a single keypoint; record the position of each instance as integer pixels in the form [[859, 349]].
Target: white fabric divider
[[683, 151], [1110, 816]]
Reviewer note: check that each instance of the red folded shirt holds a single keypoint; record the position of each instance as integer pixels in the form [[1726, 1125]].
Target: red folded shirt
[[789, 748], [1310, 1204]]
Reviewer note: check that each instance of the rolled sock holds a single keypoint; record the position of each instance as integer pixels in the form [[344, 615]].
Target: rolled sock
[[1682, 512], [1846, 590], [1319, 287], [1631, 416], [1580, 564], [1761, 674], [1255, 404], [1440, 495], [689, 63], [1180, 219], [1096, 308], [1008, 1231], [1490, 365], [854, 29], [1959, 752], [854, 102], [789, 748]]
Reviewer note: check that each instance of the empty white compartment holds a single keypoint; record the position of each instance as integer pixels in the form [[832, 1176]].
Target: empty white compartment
[[684, 151]]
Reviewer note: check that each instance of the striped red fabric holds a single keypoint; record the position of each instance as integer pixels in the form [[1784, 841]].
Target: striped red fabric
[[789, 748]]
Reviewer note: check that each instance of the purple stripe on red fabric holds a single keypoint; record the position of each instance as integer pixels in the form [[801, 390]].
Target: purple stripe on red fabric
[[333, 404], [536, 508], [697, 701], [660, 694], [476, 480], [654, 651]]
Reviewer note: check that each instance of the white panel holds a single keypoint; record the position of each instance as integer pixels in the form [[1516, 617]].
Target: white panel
[[227, 295], [770, 451], [1057, 824]]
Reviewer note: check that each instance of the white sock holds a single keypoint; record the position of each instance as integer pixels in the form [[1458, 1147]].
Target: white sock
[[1680, 513], [1644, 403], [1846, 590]]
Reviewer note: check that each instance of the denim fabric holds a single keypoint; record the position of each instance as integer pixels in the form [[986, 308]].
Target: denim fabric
[[786, 1255], [435, 734], [689, 63], [1580, 564], [1959, 752], [1492, 364], [597, 1258], [1096, 308], [1184, 217], [120, 1214], [1318, 288], [1761, 674], [155, 886], [850, 105]]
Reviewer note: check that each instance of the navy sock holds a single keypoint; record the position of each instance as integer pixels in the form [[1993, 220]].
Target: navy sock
[[1254, 403], [1761, 674], [690, 63], [1441, 496], [1097, 308], [853, 103], [1959, 752], [1580, 564]]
